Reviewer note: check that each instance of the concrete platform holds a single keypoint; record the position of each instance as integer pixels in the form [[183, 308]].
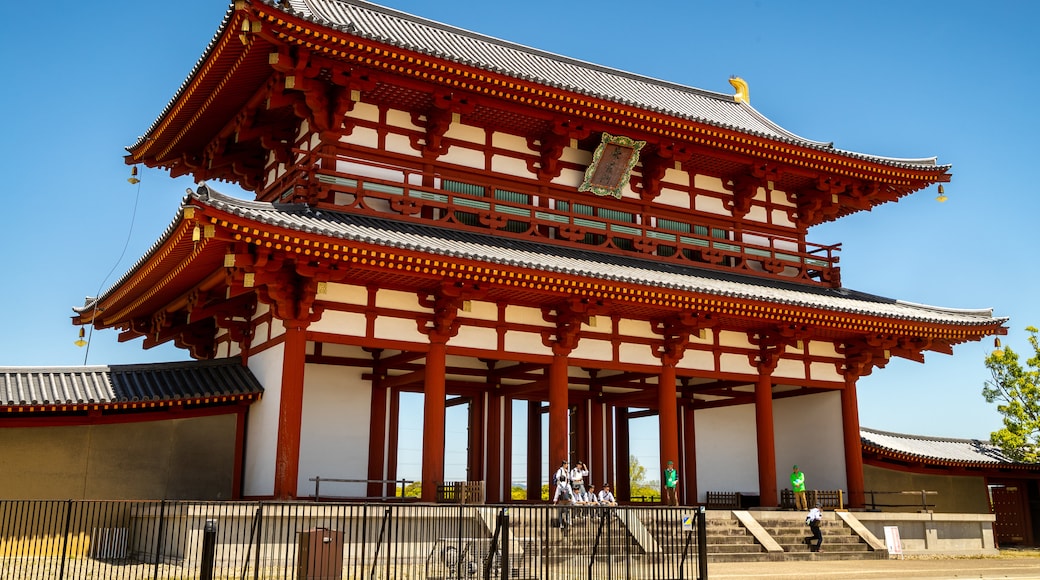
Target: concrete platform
[[1020, 564]]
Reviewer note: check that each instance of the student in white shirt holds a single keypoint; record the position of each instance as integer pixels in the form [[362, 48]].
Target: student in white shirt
[[605, 497]]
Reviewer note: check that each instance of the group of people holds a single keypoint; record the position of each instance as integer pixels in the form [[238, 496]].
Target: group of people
[[572, 489]]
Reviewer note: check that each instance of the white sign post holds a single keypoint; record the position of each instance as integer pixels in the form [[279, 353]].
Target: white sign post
[[892, 542]]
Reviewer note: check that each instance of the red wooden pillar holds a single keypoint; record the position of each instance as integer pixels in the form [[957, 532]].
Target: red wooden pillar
[[597, 459], [623, 485], [534, 450], [290, 410], [853, 444], [434, 392], [558, 408], [667, 418], [765, 437], [496, 491], [377, 436]]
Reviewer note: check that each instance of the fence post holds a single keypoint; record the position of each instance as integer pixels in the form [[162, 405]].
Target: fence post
[[159, 536], [209, 549], [702, 544], [504, 560]]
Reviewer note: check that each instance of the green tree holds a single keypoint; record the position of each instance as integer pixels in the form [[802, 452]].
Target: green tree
[[413, 489], [1016, 390], [648, 490]]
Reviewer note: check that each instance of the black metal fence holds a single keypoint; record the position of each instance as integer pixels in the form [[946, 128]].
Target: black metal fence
[[182, 540]]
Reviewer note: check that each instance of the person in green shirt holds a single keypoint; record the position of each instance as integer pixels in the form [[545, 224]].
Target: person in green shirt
[[798, 486], [671, 480]]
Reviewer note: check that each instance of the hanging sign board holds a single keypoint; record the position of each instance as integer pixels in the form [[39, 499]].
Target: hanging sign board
[[611, 166]]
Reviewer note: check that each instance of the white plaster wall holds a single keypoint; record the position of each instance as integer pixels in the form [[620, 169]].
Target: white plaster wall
[[337, 322], [735, 340], [674, 198], [709, 183], [593, 349], [466, 133], [820, 371], [400, 144], [510, 166], [402, 119], [634, 353], [697, 359], [727, 451], [399, 300], [522, 315], [336, 429], [808, 433], [399, 329], [789, 368], [510, 143], [464, 156], [262, 426], [475, 337], [636, 328], [481, 311], [526, 342], [345, 294], [736, 363], [363, 136]]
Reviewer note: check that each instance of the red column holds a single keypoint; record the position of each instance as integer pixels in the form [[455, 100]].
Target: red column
[[667, 418], [534, 451], [496, 492], [765, 438], [433, 419], [558, 410], [623, 485], [290, 410], [377, 437], [853, 445], [597, 459]]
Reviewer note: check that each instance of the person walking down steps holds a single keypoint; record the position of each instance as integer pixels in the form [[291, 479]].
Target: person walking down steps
[[814, 519]]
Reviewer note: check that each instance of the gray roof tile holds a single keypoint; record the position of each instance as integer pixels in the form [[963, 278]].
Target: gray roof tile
[[425, 36], [39, 386], [935, 448]]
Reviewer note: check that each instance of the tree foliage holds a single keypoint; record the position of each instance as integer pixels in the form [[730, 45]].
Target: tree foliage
[[640, 487], [1016, 390]]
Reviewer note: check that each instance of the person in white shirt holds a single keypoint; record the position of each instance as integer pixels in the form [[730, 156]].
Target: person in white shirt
[[605, 497], [578, 475], [813, 519]]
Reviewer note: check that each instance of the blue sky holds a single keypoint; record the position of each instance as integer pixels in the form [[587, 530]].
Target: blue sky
[[954, 80]]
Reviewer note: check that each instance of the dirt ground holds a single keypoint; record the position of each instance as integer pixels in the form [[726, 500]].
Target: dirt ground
[[1011, 563]]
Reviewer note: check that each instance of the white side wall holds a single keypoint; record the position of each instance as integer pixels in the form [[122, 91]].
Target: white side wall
[[262, 426], [807, 432], [334, 442]]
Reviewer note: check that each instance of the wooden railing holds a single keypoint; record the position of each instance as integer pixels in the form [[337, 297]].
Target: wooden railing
[[827, 498], [461, 492], [511, 210]]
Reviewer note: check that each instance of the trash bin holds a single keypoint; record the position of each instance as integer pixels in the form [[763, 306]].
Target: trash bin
[[320, 555]]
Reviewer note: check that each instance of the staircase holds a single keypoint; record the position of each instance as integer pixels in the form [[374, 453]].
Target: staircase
[[729, 540], [840, 542]]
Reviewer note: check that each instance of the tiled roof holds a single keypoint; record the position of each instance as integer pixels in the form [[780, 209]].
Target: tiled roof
[[933, 448], [41, 386], [424, 36], [510, 252], [421, 35]]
